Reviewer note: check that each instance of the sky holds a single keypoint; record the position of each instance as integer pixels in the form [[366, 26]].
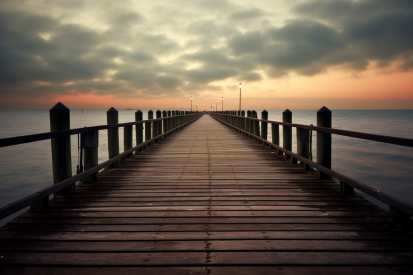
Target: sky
[[296, 54]]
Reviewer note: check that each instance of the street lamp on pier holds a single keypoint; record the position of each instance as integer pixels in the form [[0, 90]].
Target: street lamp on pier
[[222, 104], [191, 104]]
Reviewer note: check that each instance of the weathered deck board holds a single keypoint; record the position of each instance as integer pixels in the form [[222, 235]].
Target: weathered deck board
[[207, 200]]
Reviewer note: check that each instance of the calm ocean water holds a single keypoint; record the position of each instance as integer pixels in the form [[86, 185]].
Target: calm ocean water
[[27, 168]]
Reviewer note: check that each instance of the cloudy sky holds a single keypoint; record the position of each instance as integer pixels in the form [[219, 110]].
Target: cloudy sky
[[293, 54]]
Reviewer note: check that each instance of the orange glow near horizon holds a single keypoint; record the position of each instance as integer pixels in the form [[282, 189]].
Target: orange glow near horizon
[[337, 89]]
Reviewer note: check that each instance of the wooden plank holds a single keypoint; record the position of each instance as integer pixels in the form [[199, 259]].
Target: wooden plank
[[28, 218], [210, 213], [209, 207], [202, 258], [196, 227], [210, 270], [225, 235], [222, 245]]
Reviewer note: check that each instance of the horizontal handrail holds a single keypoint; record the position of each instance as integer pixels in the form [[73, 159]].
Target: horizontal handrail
[[375, 193], [372, 137], [4, 142], [45, 192]]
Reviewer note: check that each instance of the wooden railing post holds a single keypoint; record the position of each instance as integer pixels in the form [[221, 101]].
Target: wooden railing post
[[159, 123], [256, 124], [148, 127], [234, 119], [127, 141], [113, 136], [324, 141], [264, 125], [243, 120], [90, 142], [287, 132], [169, 120], [165, 122], [59, 116], [173, 120], [155, 128], [275, 136], [139, 130], [346, 189], [61, 149], [249, 124], [399, 216], [176, 118], [303, 145]]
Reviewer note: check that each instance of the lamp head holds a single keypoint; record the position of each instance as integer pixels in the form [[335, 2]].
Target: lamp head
[[191, 97], [240, 85]]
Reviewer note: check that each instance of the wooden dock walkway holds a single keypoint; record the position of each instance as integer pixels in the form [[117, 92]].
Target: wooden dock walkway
[[207, 200]]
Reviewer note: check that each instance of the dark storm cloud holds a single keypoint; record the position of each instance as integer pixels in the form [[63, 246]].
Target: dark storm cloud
[[177, 49], [332, 33], [377, 30], [248, 14]]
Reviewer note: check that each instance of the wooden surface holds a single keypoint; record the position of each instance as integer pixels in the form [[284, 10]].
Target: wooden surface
[[207, 200]]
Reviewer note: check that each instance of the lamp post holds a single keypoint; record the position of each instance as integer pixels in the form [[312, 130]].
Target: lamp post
[[222, 104], [216, 106], [191, 104], [240, 86]]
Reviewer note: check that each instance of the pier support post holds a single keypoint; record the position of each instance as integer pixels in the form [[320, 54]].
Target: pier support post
[[303, 145], [155, 127], [287, 132], [243, 120], [148, 127], [346, 189], [264, 125], [256, 124], [165, 122], [324, 141], [398, 215], [90, 142], [176, 118], [249, 128], [159, 123], [139, 130], [40, 206], [173, 119], [61, 150], [169, 121], [275, 136], [113, 136], [127, 141]]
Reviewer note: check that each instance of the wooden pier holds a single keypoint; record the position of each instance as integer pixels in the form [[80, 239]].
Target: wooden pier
[[207, 200]]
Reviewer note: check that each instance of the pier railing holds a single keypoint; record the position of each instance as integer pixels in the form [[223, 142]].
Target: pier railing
[[248, 123], [165, 124]]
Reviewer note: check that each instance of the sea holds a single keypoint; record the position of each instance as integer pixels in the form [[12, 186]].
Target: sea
[[27, 168]]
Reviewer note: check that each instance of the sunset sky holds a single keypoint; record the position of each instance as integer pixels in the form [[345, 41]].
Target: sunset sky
[[95, 54]]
